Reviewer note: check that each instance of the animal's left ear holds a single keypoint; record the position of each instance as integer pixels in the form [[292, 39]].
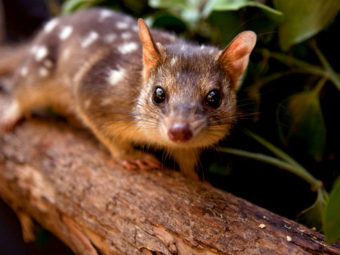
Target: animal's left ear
[[151, 51], [235, 57]]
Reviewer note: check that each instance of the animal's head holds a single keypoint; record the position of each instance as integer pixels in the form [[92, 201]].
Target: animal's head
[[189, 92]]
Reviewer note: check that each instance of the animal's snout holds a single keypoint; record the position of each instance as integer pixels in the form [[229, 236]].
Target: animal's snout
[[180, 132]]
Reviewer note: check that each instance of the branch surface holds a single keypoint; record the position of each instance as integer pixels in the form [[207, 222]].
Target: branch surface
[[67, 182]]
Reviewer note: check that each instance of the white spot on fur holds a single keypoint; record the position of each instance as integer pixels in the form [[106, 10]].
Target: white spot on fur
[[289, 239], [211, 51], [173, 61], [202, 46], [183, 48], [40, 53], [104, 14], [110, 38], [115, 76], [126, 35], [122, 25], [89, 39], [127, 47], [51, 25], [43, 72], [65, 33], [177, 75], [34, 49], [24, 71]]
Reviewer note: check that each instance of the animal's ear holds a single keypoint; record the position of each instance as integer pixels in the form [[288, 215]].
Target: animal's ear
[[151, 51], [235, 57]]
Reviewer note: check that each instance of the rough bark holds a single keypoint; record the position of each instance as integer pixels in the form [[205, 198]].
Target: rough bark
[[67, 182]]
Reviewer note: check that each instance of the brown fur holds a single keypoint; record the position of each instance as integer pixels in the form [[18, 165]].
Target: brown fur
[[110, 85], [10, 58]]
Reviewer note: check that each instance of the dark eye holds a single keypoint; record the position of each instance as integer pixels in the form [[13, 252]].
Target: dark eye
[[158, 96], [214, 98]]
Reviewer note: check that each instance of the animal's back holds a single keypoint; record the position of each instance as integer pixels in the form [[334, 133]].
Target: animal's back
[[69, 46], [94, 47]]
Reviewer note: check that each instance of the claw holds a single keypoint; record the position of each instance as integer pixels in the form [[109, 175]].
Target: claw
[[128, 164], [145, 162]]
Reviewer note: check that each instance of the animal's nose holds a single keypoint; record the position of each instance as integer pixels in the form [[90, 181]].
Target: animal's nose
[[179, 132]]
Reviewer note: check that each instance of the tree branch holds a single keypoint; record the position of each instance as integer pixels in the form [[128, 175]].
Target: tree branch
[[66, 181]]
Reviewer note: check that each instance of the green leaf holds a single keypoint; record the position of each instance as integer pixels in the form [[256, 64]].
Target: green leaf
[[232, 5], [266, 159], [220, 169], [331, 215], [304, 18], [278, 152], [226, 33], [285, 162], [301, 123], [73, 5], [168, 21], [304, 67], [312, 216], [333, 76], [169, 4], [188, 10]]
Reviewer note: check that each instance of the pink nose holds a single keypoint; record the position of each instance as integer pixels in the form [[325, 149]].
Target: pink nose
[[179, 132]]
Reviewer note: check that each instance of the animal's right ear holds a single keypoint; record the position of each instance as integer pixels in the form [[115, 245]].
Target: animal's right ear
[[235, 57], [151, 51]]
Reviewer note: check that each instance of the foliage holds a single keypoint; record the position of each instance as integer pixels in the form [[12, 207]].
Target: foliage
[[74, 5], [300, 113], [285, 162], [331, 214], [300, 118], [304, 18]]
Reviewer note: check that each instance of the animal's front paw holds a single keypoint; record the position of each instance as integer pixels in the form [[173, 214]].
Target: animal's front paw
[[143, 161]]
